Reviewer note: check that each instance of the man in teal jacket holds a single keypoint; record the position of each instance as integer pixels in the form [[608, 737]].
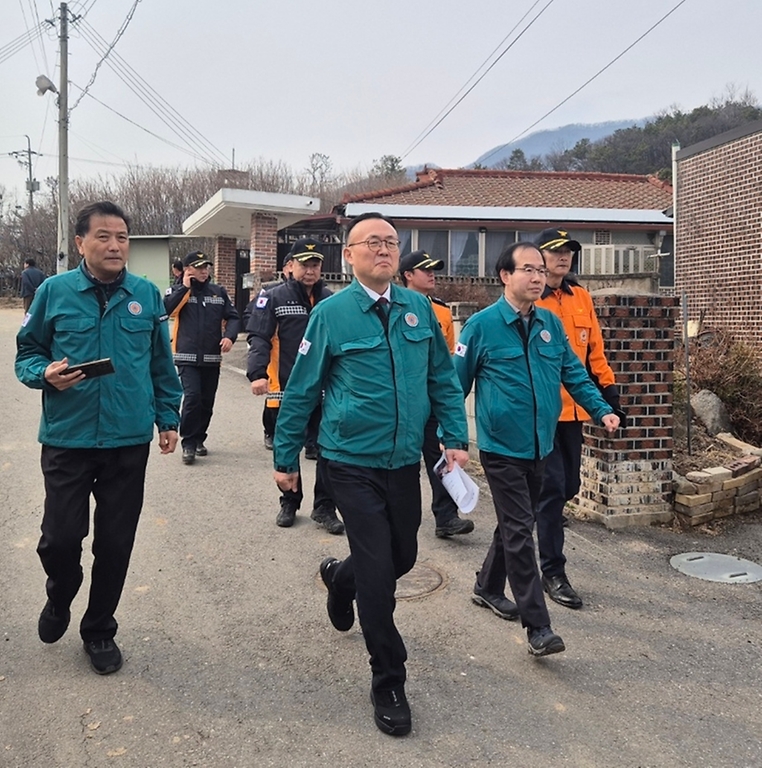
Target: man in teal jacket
[[377, 353], [518, 356], [96, 430]]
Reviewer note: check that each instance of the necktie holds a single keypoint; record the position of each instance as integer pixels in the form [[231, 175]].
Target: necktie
[[382, 310]]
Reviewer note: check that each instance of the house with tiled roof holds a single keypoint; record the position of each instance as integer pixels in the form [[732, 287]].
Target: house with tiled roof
[[467, 216]]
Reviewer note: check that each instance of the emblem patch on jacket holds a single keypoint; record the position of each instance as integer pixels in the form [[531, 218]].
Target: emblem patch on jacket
[[304, 346], [411, 319], [545, 336], [261, 302], [135, 308], [460, 349]]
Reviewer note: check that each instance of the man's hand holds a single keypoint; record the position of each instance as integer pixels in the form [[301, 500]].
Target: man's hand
[[226, 345], [259, 387], [455, 456], [168, 441], [186, 279], [55, 377], [610, 422], [286, 481]]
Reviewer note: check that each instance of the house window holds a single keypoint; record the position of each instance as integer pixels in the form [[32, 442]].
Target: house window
[[496, 243], [406, 237], [602, 237], [435, 242], [464, 253]]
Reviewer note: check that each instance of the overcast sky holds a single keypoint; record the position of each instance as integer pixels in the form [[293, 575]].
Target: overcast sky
[[281, 80]]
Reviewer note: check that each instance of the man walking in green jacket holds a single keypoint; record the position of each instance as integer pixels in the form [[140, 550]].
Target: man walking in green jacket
[[377, 352], [96, 429], [518, 356]]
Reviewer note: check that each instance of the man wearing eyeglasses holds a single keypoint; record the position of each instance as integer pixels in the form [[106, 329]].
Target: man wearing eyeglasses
[[573, 305], [518, 357], [376, 351], [275, 329]]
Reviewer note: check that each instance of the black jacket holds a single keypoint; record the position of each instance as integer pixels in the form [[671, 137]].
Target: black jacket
[[199, 313], [280, 313]]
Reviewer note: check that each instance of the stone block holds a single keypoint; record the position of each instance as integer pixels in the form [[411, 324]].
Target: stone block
[[746, 498], [751, 506], [696, 519], [719, 473], [698, 477], [681, 485], [694, 511], [743, 465], [718, 496], [693, 500], [738, 482]]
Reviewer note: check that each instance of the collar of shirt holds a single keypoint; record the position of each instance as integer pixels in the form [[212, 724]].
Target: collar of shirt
[[518, 311], [387, 294]]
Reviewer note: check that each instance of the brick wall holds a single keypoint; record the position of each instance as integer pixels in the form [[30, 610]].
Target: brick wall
[[627, 479], [224, 264], [719, 235], [264, 243]]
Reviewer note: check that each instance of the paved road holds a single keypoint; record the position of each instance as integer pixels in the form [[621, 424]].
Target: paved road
[[230, 659]]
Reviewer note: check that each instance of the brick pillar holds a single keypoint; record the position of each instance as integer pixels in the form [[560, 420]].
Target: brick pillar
[[627, 479], [224, 264], [264, 244]]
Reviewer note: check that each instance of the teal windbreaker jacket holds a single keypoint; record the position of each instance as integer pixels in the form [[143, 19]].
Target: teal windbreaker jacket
[[109, 411], [380, 387], [518, 377]]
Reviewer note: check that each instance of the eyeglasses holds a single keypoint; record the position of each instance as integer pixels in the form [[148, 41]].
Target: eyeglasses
[[374, 243], [531, 271]]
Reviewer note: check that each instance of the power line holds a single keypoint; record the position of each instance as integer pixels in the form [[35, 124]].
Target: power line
[[585, 84], [9, 49], [476, 72], [119, 33], [26, 24], [33, 4], [484, 74], [151, 133], [154, 101]]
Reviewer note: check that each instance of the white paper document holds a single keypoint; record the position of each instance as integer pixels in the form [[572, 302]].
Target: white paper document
[[464, 491]]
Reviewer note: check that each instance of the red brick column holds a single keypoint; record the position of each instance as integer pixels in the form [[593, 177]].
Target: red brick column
[[627, 479], [224, 264], [264, 243]]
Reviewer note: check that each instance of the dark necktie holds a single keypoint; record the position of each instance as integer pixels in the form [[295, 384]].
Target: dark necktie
[[382, 310]]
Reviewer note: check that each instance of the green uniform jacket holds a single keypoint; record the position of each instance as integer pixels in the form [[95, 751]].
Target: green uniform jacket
[[379, 391], [113, 410], [518, 379]]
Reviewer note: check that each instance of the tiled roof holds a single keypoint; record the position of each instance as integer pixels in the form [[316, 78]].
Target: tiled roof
[[525, 189]]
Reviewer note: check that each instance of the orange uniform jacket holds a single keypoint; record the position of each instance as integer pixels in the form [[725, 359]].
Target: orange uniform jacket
[[444, 318], [574, 306]]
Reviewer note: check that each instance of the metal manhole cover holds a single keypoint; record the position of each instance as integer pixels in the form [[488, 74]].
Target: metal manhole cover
[[715, 567], [422, 580]]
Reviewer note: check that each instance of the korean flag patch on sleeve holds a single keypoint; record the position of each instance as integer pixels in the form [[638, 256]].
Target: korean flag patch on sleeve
[[262, 301], [304, 347], [460, 349]]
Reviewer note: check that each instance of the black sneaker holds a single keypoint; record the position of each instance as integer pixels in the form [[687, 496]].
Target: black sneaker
[[452, 527], [391, 711], [269, 442], [105, 656], [189, 455], [52, 624], [340, 611], [329, 521], [500, 605], [286, 516], [201, 450], [543, 641]]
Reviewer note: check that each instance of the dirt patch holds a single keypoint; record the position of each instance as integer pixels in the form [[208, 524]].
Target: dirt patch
[[706, 451]]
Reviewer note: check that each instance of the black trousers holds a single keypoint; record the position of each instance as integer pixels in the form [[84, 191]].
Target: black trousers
[[560, 484], [442, 505], [382, 513], [270, 419], [321, 496], [199, 390], [515, 486], [116, 478]]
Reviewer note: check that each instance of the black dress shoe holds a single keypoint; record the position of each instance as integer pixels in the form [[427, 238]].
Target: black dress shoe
[[391, 711], [269, 442], [286, 516], [543, 641], [453, 526], [201, 450], [105, 656], [500, 605], [52, 624], [189, 455], [340, 611], [560, 591]]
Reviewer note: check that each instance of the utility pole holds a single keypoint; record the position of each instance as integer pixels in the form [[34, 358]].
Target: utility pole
[[62, 260], [32, 185]]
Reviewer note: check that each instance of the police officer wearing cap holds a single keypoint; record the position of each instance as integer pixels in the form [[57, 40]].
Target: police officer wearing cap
[[417, 273], [573, 305], [206, 326], [275, 330]]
